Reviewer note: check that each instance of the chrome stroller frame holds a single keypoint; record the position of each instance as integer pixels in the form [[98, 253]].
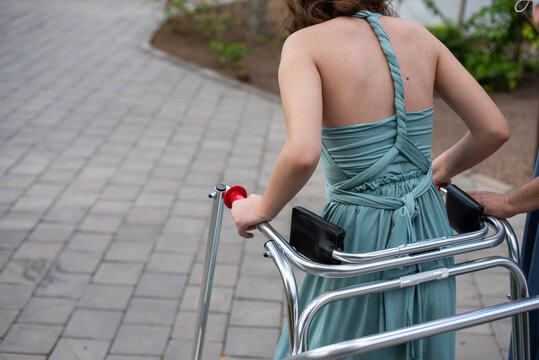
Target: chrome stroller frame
[[283, 254]]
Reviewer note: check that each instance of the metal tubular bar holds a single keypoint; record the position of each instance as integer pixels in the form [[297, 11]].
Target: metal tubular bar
[[209, 267], [405, 249], [512, 241], [454, 270], [345, 270], [520, 321], [291, 289], [415, 332]]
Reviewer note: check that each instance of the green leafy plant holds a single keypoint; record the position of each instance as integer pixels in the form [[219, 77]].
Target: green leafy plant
[[231, 52], [495, 44], [214, 23]]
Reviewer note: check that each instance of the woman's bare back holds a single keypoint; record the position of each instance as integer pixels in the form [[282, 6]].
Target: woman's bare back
[[356, 82]]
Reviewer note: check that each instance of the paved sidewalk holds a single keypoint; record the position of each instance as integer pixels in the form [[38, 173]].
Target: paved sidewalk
[[107, 155]]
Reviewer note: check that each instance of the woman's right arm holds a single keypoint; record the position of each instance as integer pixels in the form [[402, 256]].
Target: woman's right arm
[[487, 127]]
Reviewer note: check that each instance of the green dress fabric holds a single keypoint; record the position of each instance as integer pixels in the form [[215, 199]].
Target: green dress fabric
[[380, 190]]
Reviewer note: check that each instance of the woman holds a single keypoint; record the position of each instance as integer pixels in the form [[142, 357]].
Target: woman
[[336, 86]]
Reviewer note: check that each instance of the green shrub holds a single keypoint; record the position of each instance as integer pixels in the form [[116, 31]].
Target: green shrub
[[209, 19], [495, 45]]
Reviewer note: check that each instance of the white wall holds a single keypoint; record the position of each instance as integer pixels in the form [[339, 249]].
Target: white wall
[[415, 10]]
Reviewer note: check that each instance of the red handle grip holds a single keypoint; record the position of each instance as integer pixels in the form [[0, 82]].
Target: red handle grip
[[233, 194], [438, 186]]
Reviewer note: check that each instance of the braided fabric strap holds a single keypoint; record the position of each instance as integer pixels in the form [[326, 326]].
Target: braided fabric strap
[[372, 18]]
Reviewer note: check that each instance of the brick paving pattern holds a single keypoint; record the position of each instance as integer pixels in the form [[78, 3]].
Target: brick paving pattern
[[108, 151]]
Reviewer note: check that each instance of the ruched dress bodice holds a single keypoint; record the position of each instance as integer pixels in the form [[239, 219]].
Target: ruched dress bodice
[[357, 147], [380, 190]]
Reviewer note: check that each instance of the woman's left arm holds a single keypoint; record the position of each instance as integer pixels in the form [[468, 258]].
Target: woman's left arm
[[301, 94]]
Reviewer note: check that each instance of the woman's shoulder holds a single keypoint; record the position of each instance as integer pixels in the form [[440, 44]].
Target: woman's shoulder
[[404, 27], [316, 36]]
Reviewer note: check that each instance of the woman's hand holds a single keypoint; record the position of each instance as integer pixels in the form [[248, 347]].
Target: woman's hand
[[247, 213], [495, 204]]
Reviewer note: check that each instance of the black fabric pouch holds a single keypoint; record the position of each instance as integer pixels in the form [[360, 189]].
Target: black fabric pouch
[[463, 212], [314, 236]]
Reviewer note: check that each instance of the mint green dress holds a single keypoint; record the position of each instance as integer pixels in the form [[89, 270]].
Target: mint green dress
[[380, 190]]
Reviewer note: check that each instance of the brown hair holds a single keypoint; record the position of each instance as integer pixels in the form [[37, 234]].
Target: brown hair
[[303, 13]]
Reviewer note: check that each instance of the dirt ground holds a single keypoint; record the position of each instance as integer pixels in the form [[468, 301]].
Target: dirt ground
[[512, 164]]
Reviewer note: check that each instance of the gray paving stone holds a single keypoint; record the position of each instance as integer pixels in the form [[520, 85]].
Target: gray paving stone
[[170, 263], [87, 184], [141, 340], [259, 288], [221, 299], [138, 233], [93, 324], [154, 200], [161, 185], [114, 207], [101, 223], [186, 323], [225, 274], [41, 310], [33, 204], [9, 196], [97, 172], [132, 357], [24, 272], [176, 349], [251, 342], [11, 239], [30, 338], [258, 266], [133, 178], [80, 349], [106, 297], [255, 313], [161, 285], [78, 261], [192, 192], [148, 216], [70, 214], [151, 311], [37, 250], [59, 176], [44, 189], [4, 256], [13, 297], [7, 317], [20, 357], [62, 284], [128, 251], [89, 242], [190, 208], [52, 232], [502, 331], [13, 181], [18, 221], [174, 242], [118, 274], [123, 192], [190, 226], [467, 346]]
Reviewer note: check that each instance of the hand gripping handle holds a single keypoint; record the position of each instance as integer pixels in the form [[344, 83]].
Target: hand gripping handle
[[233, 194]]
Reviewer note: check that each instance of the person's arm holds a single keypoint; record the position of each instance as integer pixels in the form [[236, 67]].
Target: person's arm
[[488, 129], [301, 94], [504, 206]]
